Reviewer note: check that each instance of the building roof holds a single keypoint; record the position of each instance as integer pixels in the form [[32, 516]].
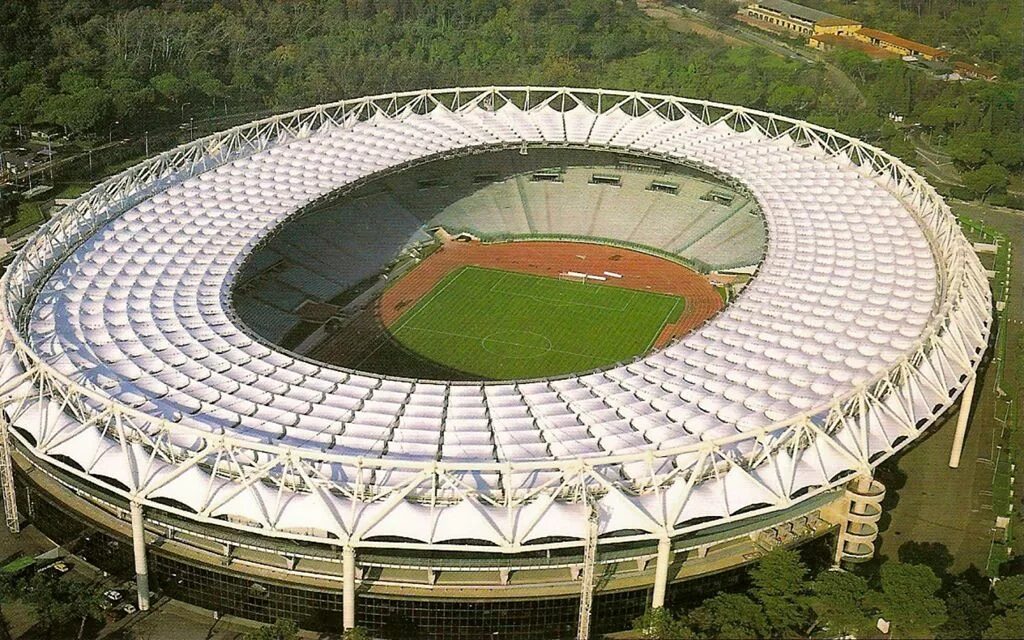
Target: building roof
[[798, 10], [891, 38], [847, 42], [836, 22], [974, 69]]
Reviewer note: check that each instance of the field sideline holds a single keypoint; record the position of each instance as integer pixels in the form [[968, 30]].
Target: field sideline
[[502, 325]]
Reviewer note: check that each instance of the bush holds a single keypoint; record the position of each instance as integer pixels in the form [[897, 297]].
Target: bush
[[1011, 200], [961, 193]]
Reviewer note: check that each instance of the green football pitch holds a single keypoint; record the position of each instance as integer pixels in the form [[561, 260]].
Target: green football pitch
[[503, 325]]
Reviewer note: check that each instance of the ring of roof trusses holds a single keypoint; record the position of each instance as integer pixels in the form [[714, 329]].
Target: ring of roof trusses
[[123, 363]]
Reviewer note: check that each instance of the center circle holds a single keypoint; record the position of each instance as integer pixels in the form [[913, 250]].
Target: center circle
[[517, 344]]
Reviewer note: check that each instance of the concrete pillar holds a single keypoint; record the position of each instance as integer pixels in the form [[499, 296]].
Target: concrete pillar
[[661, 572], [139, 546], [348, 570], [961, 423]]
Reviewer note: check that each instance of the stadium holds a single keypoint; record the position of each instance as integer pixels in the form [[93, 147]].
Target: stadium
[[506, 362]]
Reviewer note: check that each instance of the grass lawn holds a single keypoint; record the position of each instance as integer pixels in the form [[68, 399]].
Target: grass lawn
[[73, 189], [502, 325], [29, 213]]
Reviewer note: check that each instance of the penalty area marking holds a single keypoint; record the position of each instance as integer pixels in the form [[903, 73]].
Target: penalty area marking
[[562, 302], [467, 337]]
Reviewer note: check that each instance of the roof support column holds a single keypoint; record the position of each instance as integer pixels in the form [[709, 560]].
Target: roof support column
[[348, 571], [7, 477], [661, 572], [961, 422], [139, 546], [587, 576]]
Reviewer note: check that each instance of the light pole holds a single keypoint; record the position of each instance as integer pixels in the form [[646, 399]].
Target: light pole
[[147, 143], [182, 125]]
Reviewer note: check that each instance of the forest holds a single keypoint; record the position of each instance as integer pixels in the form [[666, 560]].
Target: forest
[[789, 598], [103, 68]]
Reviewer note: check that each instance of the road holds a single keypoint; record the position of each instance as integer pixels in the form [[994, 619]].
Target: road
[[199, 126], [46, 168], [921, 492], [736, 34], [936, 164]]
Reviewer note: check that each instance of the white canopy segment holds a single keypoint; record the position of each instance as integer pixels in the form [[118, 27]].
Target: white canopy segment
[[123, 363]]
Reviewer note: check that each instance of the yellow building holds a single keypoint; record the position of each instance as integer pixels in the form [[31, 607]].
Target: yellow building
[[830, 41], [836, 26], [782, 14], [898, 45]]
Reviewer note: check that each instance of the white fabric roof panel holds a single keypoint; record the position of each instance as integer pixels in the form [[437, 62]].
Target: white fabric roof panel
[[848, 284]]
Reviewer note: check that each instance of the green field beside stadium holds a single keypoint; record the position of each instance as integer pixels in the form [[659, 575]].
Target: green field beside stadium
[[502, 325]]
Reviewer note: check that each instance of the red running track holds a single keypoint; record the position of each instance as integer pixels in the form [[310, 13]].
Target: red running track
[[640, 271]]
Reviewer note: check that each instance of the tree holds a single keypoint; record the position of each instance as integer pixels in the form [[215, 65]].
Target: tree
[[1010, 591], [934, 555], [1010, 605], [969, 149], [941, 117], [169, 86], [839, 599], [9, 202], [720, 10], [356, 633], [9, 591], [659, 624], [130, 98], [207, 85], [728, 615], [990, 178], [25, 107], [780, 584], [789, 98], [1007, 149], [969, 591], [80, 112], [282, 629], [57, 602], [908, 599], [1006, 625]]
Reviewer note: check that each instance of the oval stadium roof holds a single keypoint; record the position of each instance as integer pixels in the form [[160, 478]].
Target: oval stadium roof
[[125, 364]]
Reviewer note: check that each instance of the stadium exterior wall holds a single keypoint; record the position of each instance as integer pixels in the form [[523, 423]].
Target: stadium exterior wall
[[442, 598]]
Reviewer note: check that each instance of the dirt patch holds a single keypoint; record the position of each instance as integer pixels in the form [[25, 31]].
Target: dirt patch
[[639, 271]]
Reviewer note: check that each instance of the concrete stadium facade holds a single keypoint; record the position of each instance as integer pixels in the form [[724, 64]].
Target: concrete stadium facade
[[135, 401]]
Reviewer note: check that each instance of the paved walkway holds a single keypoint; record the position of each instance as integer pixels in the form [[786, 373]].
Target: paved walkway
[[167, 620], [953, 507]]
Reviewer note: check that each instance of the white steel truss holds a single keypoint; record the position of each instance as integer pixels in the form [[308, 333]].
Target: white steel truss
[[277, 488]]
